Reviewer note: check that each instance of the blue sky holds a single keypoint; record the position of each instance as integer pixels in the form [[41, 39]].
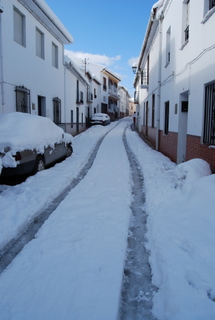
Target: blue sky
[[106, 32]]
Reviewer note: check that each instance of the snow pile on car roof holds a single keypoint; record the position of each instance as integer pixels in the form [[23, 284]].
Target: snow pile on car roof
[[24, 131], [20, 131]]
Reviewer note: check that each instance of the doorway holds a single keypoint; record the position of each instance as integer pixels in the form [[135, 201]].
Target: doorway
[[77, 119], [182, 127], [41, 102]]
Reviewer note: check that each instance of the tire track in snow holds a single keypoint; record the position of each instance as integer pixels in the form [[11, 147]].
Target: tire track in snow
[[137, 290], [10, 250]]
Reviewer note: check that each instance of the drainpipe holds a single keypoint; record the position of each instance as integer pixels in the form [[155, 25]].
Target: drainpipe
[[64, 89], [161, 17], [1, 61]]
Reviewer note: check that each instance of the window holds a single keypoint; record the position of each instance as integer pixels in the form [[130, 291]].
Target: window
[[104, 84], [82, 119], [40, 44], [136, 97], [209, 9], [95, 96], [209, 118], [81, 97], [186, 26], [147, 70], [211, 4], [110, 84], [54, 55], [19, 27], [77, 92], [168, 37], [57, 110], [166, 118], [153, 110], [22, 99], [72, 119]]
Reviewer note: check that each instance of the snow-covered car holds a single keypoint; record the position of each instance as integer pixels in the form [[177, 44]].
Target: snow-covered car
[[29, 143], [100, 118]]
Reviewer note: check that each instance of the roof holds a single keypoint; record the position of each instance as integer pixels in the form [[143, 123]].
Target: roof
[[111, 74]]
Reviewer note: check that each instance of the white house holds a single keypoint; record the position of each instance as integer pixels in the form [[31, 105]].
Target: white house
[[94, 95], [175, 80], [109, 90], [31, 59], [123, 101], [76, 98]]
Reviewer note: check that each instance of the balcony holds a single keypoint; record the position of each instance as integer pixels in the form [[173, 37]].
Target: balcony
[[89, 97]]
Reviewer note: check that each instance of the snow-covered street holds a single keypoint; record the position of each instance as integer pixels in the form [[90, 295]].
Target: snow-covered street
[[74, 267]]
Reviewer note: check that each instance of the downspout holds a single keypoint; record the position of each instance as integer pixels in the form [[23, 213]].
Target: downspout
[[65, 129], [161, 17], [1, 62]]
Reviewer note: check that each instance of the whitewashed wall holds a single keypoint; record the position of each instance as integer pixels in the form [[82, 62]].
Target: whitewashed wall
[[22, 67]]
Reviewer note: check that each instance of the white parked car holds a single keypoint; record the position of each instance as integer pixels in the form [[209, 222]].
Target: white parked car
[[29, 143], [100, 118]]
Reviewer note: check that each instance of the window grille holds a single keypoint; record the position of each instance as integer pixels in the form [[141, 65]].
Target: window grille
[[144, 77], [166, 119], [209, 117], [22, 99]]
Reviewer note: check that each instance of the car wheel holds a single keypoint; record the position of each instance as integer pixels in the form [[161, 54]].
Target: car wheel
[[39, 164], [69, 150]]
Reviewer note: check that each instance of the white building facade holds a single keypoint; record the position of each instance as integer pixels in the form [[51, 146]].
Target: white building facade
[[32, 70], [124, 98], [36, 77], [175, 81]]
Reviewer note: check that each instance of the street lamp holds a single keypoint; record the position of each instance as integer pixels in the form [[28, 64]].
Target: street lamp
[[134, 68]]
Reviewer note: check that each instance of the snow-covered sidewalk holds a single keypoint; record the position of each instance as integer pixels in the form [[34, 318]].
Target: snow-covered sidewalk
[[181, 223], [73, 269]]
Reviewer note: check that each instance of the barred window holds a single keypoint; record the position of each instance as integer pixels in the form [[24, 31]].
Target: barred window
[[209, 117], [166, 118], [22, 99]]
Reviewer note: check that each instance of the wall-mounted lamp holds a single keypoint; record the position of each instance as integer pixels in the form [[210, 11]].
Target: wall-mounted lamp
[[134, 68]]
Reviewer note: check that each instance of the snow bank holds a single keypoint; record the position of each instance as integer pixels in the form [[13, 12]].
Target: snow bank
[[181, 223]]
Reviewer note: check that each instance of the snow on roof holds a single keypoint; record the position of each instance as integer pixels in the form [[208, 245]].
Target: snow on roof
[[158, 4]]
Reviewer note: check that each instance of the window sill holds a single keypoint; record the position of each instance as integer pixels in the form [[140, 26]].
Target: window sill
[[208, 15]]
